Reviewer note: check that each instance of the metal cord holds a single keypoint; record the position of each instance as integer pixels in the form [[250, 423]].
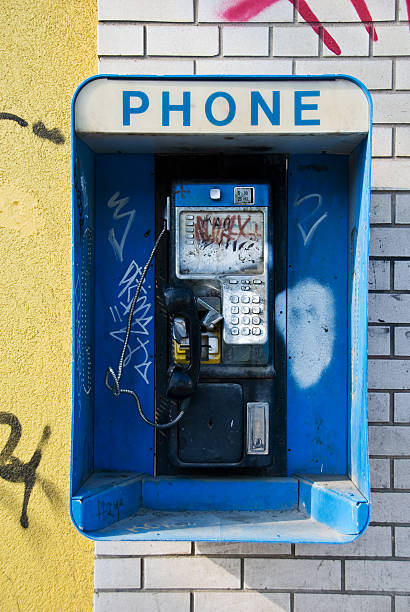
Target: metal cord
[[115, 388]]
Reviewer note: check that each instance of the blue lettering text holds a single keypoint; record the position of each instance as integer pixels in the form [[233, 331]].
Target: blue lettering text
[[127, 110], [299, 107], [185, 107], [231, 108], [272, 114]]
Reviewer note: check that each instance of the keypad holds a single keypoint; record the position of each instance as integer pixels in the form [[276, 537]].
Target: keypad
[[247, 297]]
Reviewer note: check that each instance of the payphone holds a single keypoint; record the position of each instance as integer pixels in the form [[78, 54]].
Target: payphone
[[221, 249], [220, 236]]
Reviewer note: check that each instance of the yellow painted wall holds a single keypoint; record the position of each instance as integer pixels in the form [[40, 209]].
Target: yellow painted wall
[[47, 47]]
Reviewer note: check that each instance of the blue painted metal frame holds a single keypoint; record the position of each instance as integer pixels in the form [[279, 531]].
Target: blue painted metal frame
[[125, 234], [317, 314], [98, 446]]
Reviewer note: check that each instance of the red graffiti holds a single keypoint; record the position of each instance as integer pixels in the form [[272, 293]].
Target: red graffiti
[[365, 17], [408, 11], [224, 231], [309, 16], [244, 10]]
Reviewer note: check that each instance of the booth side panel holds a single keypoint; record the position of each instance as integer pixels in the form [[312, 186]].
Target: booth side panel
[[358, 272], [83, 306], [317, 314], [125, 211]]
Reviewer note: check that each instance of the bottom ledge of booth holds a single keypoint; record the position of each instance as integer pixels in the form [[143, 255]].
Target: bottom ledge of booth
[[130, 506]]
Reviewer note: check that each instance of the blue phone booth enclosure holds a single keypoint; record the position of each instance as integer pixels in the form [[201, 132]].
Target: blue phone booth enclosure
[[308, 214]]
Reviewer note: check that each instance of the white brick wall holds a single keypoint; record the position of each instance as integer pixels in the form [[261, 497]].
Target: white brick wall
[[372, 573]]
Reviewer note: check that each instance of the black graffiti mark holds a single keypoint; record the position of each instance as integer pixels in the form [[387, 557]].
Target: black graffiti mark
[[16, 118], [54, 134], [15, 470], [39, 129]]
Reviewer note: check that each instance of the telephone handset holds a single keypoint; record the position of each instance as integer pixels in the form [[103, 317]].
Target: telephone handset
[[182, 309]]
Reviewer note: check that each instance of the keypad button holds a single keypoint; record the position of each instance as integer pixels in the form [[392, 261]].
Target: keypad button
[[189, 242], [245, 282], [245, 320], [235, 320], [256, 331], [256, 299], [256, 320], [245, 309], [245, 331], [257, 281], [256, 309], [189, 223], [189, 216], [234, 299], [245, 288], [233, 281], [245, 299], [234, 309], [234, 331]]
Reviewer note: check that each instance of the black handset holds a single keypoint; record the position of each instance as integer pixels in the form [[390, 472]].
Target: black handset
[[182, 309]]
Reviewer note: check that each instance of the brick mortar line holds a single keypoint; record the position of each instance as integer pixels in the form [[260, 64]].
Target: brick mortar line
[[298, 557], [389, 456], [142, 577], [388, 90], [390, 357], [391, 489], [388, 524], [289, 24], [391, 259], [289, 591]]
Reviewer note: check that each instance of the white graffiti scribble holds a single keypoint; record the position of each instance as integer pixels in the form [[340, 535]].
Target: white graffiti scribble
[[138, 346], [310, 329], [118, 205], [310, 222]]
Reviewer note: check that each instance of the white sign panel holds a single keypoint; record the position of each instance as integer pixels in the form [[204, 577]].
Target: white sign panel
[[218, 106]]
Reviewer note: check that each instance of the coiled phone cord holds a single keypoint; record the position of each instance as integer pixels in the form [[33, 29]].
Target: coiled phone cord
[[115, 389]]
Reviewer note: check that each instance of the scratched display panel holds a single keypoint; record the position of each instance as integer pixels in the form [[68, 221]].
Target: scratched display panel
[[220, 241], [125, 234]]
